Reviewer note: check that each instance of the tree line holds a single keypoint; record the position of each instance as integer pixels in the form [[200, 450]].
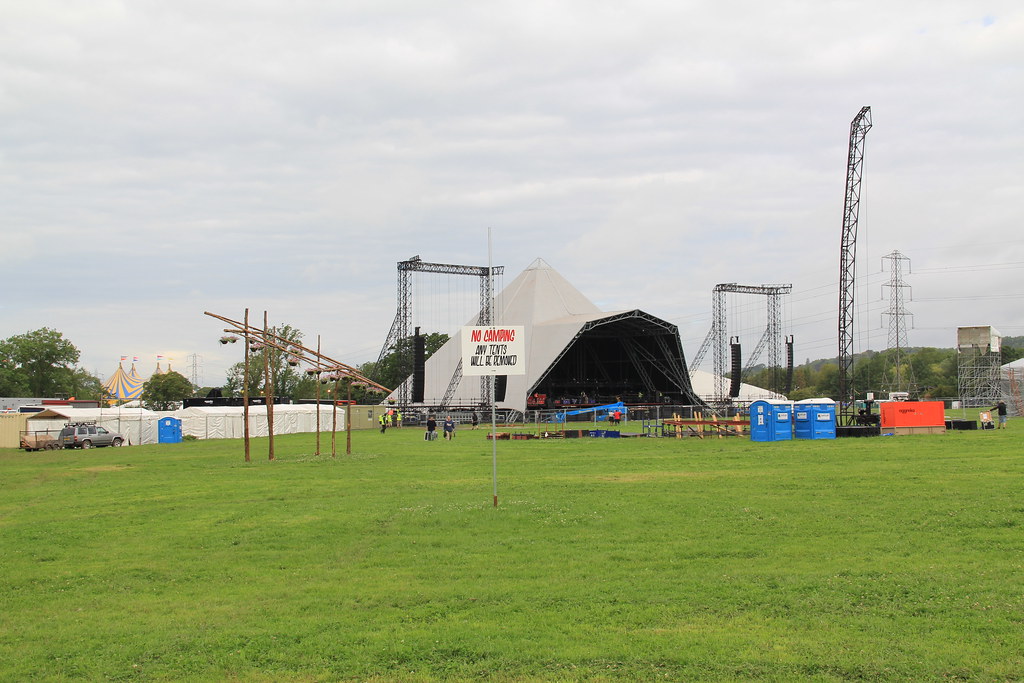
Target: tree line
[[926, 372], [43, 363]]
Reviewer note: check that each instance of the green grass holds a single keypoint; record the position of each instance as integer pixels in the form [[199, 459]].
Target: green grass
[[640, 559]]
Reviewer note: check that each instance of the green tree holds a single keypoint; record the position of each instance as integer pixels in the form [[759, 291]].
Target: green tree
[[41, 363], [166, 390], [287, 379], [396, 366], [935, 372], [13, 381], [1011, 353], [84, 385]]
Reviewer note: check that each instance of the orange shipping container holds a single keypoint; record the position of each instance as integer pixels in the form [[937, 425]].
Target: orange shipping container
[[912, 414]]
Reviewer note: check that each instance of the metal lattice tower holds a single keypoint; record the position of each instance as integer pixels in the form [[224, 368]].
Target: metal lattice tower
[[859, 128], [195, 369], [717, 337], [903, 379], [400, 328], [978, 361]]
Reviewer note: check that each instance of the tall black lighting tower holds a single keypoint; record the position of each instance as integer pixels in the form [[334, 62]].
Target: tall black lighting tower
[[859, 128]]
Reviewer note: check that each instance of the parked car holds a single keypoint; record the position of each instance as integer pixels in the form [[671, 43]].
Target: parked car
[[88, 435]]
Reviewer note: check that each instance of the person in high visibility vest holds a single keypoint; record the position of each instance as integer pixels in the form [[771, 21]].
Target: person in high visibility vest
[[383, 422]]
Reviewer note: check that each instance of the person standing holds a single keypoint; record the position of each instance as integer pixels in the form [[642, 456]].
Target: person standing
[[1000, 409], [383, 422], [476, 420], [449, 428], [431, 428]]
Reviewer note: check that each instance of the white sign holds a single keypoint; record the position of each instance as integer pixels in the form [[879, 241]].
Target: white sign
[[497, 350]]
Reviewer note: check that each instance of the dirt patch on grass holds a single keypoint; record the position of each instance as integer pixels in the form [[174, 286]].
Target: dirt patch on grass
[[103, 468], [650, 476]]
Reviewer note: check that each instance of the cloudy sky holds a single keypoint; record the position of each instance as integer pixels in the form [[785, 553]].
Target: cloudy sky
[[161, 159]]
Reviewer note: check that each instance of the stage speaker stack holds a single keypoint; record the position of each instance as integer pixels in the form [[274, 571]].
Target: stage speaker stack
[[789, 365], [418, 371], [737, 369], [500, 385]]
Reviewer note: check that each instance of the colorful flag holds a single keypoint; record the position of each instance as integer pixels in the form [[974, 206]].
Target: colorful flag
[[159, 357], [135, 359], [124, 357]]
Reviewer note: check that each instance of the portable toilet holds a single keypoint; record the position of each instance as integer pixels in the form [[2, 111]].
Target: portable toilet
[[771, 420], [169, 430], [814, 418]]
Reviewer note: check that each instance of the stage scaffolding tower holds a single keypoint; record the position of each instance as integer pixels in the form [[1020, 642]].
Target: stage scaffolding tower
[[979, 358], [718, 335], [400, 328]]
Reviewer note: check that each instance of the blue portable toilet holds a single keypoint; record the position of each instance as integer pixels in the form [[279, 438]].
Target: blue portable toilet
[[771, 420], [815, 418], [169, 430]]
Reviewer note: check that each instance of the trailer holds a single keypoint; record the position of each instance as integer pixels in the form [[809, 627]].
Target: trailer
[[45, 440]]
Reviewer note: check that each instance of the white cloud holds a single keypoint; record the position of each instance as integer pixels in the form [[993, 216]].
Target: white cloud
[[213, 155]]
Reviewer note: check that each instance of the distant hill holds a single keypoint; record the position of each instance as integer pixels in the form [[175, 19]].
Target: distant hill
[[1014, 342]]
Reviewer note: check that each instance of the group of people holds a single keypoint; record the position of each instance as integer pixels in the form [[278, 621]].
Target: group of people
[[393, 418], [448, 426]]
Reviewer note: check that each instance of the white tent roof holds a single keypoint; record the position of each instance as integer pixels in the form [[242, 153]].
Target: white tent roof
[[552, 313], [704, 386], [282, 408], [137, 424], [87, 414]]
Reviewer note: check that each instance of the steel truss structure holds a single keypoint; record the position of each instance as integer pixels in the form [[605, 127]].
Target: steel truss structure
[[717, 337], [859, 128], [903, 378], [978, 366], [400, 328]]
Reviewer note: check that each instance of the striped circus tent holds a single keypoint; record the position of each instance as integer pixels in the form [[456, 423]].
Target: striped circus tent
[[123, 386]]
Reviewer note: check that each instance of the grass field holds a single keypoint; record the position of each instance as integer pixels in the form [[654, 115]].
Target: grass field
[[640, 559]]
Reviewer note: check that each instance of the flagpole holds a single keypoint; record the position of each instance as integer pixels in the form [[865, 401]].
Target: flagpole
[[494, 411]]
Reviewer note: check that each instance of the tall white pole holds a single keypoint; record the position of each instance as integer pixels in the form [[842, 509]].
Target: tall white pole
[[494, 411]]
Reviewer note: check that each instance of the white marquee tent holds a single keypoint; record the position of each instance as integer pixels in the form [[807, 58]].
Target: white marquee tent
[[138, 425], [227, 422]]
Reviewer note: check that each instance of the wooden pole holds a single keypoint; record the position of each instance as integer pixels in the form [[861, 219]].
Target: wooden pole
[[268, 391], [318, 400], [245, 391], [334, 419], [348, 420]]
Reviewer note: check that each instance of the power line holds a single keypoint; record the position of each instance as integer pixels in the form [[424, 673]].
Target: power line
[[971, 298], [1010, 265]]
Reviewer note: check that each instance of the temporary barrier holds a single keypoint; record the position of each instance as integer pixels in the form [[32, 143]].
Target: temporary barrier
[[771, 421], [814, 418]]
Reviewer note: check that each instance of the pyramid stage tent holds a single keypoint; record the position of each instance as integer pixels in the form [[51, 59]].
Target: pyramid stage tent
[[574, 351]]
